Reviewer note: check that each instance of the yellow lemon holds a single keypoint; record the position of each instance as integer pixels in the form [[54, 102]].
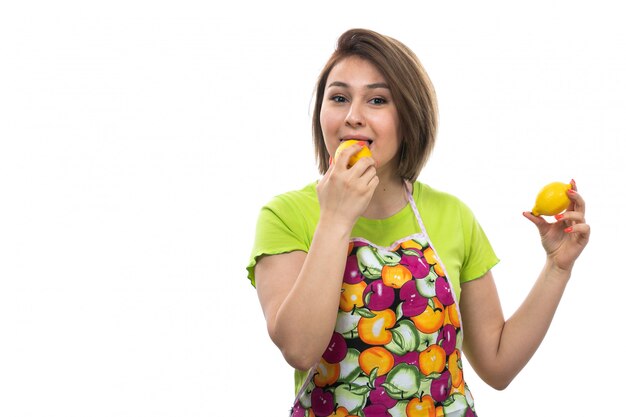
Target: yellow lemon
[[552, 199], [364, 152]]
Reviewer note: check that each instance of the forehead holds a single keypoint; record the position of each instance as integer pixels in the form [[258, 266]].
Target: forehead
[[355, 71]]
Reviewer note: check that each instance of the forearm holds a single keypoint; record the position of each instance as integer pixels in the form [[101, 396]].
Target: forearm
[[499, 349], [524, 331], [305, 320]]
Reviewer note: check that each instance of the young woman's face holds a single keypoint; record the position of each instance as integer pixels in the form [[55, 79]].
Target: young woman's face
[[358, 105]]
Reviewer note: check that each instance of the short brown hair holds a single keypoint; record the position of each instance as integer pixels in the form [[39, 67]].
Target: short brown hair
[[411, 90]]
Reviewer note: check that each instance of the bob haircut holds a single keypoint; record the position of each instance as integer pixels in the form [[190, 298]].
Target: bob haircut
[[411, 90]]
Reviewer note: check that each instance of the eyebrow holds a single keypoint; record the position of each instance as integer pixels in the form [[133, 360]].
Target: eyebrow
[[370, 86]]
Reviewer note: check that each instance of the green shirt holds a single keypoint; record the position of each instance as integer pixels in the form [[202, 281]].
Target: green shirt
[[287, 223]]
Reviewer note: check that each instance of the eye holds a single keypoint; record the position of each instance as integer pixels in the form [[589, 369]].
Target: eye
[[338, 99], [378, 100]]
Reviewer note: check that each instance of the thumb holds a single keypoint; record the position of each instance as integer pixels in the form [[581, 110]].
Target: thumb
[[324, 178], [539, 221]]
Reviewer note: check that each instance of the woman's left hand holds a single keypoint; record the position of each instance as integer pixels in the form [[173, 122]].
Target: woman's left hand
[[565, 239]]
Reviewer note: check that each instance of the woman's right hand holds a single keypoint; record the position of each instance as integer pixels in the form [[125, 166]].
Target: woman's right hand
[[344, 193], [298, 288]]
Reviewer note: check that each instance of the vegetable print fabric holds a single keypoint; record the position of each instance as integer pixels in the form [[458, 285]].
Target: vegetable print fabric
[[396, 347]]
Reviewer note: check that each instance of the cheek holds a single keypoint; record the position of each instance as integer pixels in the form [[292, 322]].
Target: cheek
[[329, 119], [389, 126], [326, 128], [393, 127]]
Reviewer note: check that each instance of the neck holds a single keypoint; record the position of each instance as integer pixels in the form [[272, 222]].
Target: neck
[[388, 199]]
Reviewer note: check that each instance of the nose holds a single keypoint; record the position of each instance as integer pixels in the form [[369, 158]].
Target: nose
[[355, 116]]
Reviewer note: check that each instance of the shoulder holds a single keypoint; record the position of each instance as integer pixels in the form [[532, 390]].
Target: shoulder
[[456, 232], [443, 210], [286, 223], [304, 198], [431, 199], [297, 210]]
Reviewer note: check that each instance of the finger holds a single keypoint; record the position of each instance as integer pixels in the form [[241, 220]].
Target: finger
[[578, 203], [571, 205], [344, 156], [583, 230], [542, 225], [327, 174], [539, 221], [362, 165], [574, 187], [370, 181], [370, 172], [570, 216], [373, 183], [323, 180], [362, 178]]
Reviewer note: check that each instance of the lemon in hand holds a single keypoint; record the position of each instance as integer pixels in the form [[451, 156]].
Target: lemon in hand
[[552, 199], [364, 152]]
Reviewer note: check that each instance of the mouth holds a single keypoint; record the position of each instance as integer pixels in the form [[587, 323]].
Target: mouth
[[359, 138]]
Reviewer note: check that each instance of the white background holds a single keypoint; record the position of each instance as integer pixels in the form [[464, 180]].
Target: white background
[[139, 140]]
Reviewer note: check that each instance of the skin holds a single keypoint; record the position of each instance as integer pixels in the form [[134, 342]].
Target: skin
[[498, 349], [297, 289]]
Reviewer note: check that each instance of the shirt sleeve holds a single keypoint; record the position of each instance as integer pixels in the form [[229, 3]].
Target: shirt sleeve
[[479, 256], [277, 231]]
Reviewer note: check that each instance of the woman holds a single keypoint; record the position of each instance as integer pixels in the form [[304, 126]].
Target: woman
[[365, 276]]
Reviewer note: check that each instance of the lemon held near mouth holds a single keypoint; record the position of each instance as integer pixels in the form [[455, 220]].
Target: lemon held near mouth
[[363, 153]]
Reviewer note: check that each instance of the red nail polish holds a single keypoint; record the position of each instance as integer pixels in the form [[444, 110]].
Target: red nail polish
[[571, 191], [568, 229], [558, 216], [330, 160]]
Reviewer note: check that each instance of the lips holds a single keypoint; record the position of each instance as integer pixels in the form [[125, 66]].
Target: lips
[[359, 138]]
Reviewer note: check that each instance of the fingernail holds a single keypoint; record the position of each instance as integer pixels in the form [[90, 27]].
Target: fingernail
[[571, 191], [330, 160], [361, 143], [558, 216], [568, 229]]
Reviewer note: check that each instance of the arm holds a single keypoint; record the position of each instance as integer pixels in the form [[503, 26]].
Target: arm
[[299, 292], [498, 349]]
